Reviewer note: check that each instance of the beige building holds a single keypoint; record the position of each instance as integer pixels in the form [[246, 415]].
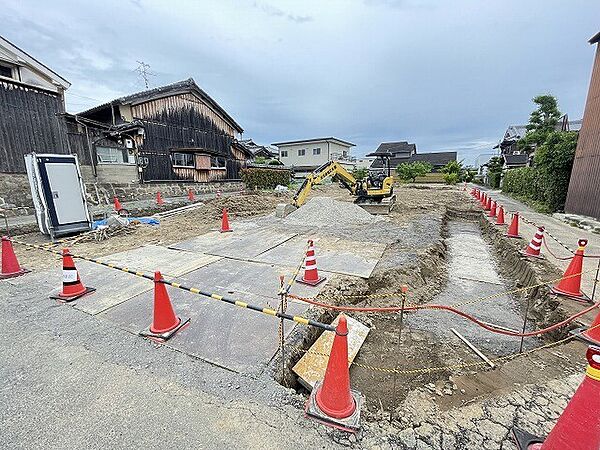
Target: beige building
[[306, 155]]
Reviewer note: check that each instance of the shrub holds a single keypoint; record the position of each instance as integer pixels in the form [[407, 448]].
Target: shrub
[[451, 177], [360, 173], [264, 177], [548, 182], [410, 171]]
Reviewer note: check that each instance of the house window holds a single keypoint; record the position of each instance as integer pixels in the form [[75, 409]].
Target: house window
[[112, 155], [283, 153], [317, 151], [302, 152], [6, 71], [218, 162], [183, 159]]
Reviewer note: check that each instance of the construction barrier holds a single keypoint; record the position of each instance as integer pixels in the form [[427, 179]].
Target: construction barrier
[[570, 286], [164, 321], [72, 287], [193, 290], [10, 264], [332, 401], [311, 273]]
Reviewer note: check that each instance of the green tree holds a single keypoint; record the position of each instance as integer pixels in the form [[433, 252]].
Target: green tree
[[542, 121], [494, 166], [469, 174], [410, 171], [360, 173], [554, 161]]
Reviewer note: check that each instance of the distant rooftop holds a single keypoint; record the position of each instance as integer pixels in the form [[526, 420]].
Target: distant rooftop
[[394, 148], [308, 141]]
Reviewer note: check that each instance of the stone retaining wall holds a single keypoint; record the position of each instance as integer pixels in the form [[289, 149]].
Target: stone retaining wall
[[15, 193]]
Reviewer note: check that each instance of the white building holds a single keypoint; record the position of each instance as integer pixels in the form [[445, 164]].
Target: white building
[[306, 155]]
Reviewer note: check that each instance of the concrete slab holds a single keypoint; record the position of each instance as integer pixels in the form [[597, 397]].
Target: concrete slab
[[112, 287], [311, 367], [238, 339], [333, 255], [171, 263], [241, 244]]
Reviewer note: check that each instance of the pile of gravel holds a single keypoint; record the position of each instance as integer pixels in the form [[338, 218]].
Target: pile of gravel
[[324, 211]]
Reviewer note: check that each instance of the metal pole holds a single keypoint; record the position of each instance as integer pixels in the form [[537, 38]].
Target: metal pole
[[8, 231], [395, 397], [282, 329], [524, 325], [596, 281]]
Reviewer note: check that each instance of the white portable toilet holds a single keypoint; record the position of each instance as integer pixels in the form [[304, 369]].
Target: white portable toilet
[[58, 194]]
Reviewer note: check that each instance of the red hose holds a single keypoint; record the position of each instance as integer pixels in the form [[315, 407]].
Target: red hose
[[453, 310]]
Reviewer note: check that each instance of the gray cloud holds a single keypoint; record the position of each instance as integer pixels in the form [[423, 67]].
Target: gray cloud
[[447, 75], [276, 12]]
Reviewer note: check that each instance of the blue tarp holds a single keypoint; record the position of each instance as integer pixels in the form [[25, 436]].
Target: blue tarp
[[146, 220]]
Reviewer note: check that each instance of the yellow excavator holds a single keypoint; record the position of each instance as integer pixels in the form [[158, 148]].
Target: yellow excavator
[[375, 193]]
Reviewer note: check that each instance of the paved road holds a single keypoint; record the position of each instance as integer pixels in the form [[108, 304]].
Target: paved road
[[69, 380], [566, 233]]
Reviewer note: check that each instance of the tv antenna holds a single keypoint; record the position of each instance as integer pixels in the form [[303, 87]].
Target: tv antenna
[[144, 72]]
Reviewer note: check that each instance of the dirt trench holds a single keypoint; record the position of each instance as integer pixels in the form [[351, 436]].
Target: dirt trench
[[386, 347]]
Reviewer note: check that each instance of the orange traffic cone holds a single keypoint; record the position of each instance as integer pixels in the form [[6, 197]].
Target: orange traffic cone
[[191, 196], [225, 222], [311, 273], [159, 199], [10, 264], [534, 247], [164, 321], [500, 216], [117, 203], [591, 335], [513, 229], [570, 284], [72, 287], [488, 204], [483, 199], [332, 401], [492, 212], [578, 427]]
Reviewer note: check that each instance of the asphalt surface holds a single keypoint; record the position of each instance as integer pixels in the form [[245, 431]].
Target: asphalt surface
[[69, 380]]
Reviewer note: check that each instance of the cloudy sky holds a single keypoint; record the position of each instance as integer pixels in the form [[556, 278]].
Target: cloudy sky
[[447, 75]]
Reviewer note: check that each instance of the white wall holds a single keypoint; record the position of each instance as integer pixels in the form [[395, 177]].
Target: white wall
[[329, 151]]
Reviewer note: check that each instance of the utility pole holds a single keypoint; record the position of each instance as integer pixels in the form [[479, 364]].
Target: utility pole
[[144, 72]]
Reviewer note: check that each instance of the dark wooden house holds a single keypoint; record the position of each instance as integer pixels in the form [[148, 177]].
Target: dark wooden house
[[402, 152], [584, 185], [179, 133], [31, 102]]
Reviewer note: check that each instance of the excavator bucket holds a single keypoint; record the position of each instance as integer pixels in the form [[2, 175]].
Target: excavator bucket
[[377, 207]]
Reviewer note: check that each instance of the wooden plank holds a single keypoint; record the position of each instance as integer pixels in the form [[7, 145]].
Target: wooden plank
[[311, 367]]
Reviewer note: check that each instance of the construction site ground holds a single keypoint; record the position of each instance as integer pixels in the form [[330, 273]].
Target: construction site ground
[[81, 377]]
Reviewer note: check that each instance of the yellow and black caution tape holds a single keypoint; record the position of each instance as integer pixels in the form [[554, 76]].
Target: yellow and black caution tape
[[193, 290]]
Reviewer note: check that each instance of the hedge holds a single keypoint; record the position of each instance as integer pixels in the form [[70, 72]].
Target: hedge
[[264, 177]]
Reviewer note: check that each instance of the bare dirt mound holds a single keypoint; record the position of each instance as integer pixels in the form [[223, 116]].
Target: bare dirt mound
[[324, 211]]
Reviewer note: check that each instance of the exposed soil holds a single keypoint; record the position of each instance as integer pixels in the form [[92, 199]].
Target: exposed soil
[[172, 229], [415, 256]]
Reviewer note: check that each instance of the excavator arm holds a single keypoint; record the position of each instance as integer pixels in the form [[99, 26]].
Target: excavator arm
[[328, 169]]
